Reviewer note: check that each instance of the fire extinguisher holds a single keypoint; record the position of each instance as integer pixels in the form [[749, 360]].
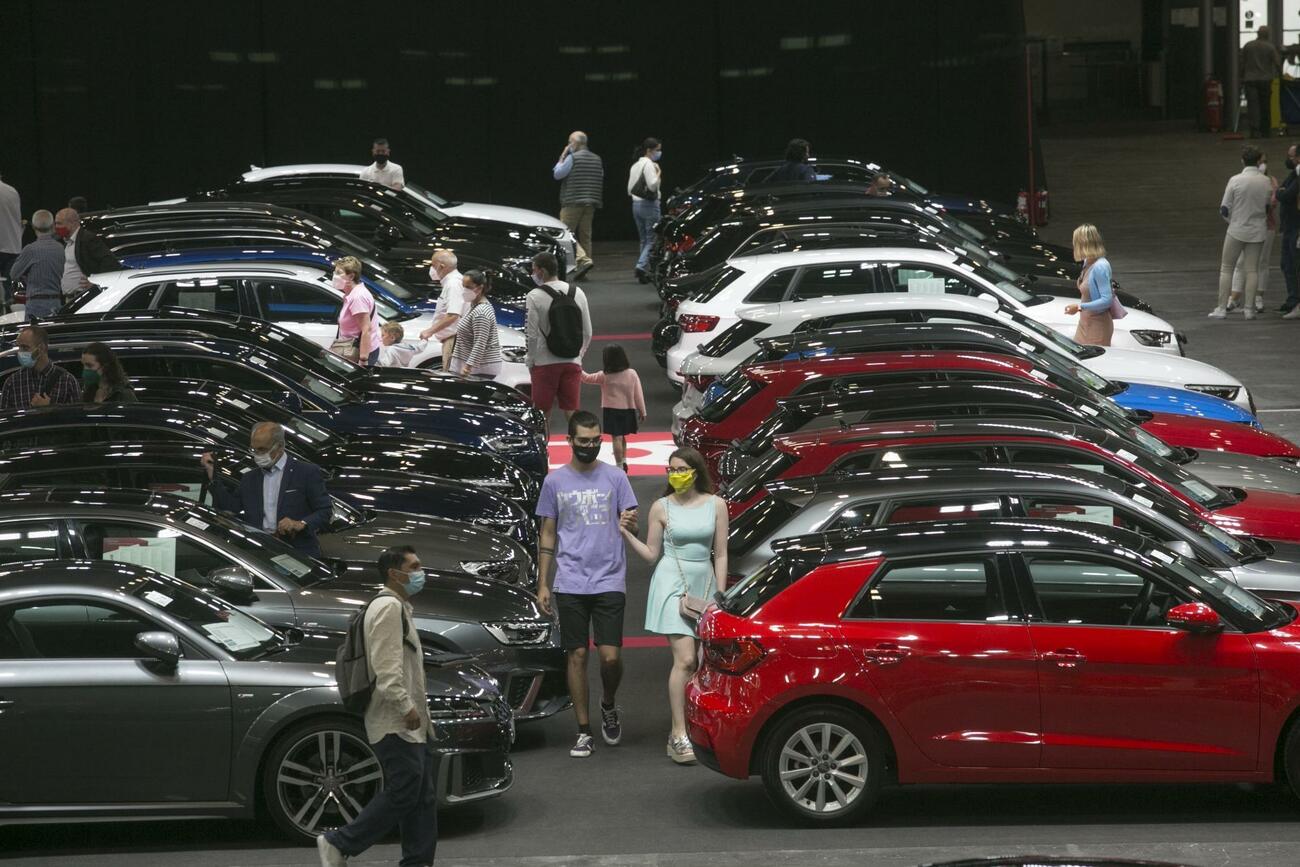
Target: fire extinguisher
[[1022, 205], [1041, 206], [1213, 104]]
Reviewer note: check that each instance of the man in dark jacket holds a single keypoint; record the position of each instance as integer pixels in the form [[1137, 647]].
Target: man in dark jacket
[[284, 496], [1288, 209], [85, 252]]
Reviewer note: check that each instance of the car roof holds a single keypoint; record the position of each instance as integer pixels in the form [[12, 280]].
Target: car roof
[[957, 479], [887, 333], [94, 497], [957, 429], [936, 538], [154, 272], [924, 250], [260, 173], [75, 414], [118, 453], [165, 210], [255, 331], [887, 361], [930, 394], [99, 575], [877, 301], [738, 161]]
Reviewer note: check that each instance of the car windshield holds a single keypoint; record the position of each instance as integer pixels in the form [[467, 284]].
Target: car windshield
[[960, 228], [907, 183], [759, 587], [1176, 478], [430, 198], [1078, 350], [1250, 611], [242, 636], [330, 392], [991, 271], [266, 551]]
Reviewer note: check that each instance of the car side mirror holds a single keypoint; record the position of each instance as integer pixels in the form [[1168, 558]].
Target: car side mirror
[[1196, 617], [989, 301], [164, 647], [1182, 548], [232, 582]]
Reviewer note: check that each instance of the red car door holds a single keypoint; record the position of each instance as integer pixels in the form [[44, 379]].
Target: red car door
[[945, 647], [1120, 689]]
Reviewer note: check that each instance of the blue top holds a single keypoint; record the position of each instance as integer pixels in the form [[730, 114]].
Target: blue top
[[561, 169], [1098, 287]]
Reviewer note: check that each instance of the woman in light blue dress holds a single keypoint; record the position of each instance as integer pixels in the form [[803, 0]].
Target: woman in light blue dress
[[688, 527]]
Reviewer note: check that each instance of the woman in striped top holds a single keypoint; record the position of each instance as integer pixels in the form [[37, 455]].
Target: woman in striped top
[[477, 352]]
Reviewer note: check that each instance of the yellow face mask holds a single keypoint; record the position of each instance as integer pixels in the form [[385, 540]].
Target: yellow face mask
[[681, 480]]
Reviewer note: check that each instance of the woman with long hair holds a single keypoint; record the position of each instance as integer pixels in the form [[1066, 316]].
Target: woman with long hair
[[1096, 298], [687, 535], [643, 184], [102, 377]]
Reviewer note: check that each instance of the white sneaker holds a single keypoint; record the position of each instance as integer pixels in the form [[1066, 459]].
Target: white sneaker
[[1218, 313], [681, 751], [330, 856], [1259, 303], [1248, 314], [582, 746], [1293, 313]]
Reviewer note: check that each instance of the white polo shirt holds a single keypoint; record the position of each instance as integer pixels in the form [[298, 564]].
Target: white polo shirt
[[390, 175]]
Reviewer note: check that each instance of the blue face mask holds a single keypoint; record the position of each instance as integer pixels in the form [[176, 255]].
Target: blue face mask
[[656, 155], [26, 359], [414, 582]]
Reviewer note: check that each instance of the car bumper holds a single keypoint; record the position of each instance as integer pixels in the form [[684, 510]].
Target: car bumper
[[718, 725], [475, 757]]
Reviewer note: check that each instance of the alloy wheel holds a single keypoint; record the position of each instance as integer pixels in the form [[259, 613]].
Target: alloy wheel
[[325, 779], [823, 768]]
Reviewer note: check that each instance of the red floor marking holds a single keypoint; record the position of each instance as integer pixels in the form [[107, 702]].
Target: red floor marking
[[640, 641], [621, 337], [647, 453]]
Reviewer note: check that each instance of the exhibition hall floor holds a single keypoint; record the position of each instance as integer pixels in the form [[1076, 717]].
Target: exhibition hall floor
[[1155, 198]]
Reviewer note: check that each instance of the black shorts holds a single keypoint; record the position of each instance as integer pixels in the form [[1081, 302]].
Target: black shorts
[[586, 615], [619, 422]]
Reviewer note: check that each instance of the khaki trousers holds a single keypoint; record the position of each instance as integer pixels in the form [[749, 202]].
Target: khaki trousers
[[1248, 253], [578, 219]]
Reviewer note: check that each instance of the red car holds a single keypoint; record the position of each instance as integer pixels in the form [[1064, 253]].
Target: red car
[[1264, 514], [998, 651], [748, 395]]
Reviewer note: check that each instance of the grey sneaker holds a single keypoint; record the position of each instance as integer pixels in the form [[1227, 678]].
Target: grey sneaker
[[330, 856], [681, 751], [611, 725], [582, 746], [1293, 313], [1248, 314], [1218, 313]]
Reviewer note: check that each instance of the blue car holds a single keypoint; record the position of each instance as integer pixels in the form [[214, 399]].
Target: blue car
[[379, 282], [1180, 401]]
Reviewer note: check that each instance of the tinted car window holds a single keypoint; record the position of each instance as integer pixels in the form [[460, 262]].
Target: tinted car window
[[28, 540], [291, 301], [762, 586], [924, 280], [854, 515], [201, 294], [733, 337], [758, 523], [773, 288], [70, 630], [964, 589], [1096, 592], [1080, 460], [933, 456], [140, 298], [710, 290], [765, 469], [224, 372], [824, 281], [723, 401], [942, 508]]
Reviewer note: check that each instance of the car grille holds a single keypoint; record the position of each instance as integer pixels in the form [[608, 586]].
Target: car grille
[[519, 692], [479, 771]]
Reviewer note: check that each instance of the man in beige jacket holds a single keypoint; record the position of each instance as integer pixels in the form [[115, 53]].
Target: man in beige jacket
[[397, 726]]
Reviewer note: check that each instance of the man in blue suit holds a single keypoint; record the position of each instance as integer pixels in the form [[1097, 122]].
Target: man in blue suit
[[284, 496]]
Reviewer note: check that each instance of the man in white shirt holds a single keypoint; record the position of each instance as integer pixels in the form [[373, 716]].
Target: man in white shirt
[[382, 171], [1245, 205], [11, 227], [451, 303]]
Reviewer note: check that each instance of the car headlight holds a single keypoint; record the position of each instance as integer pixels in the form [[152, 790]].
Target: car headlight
[[1227, 392], [506, 443], [1153, 338], [515, 354], [553, 231], [452, 709], [516, 632], [494, 570]]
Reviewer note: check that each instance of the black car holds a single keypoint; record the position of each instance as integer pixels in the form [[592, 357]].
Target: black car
[[163, 701], [498, 624], [406, 229]]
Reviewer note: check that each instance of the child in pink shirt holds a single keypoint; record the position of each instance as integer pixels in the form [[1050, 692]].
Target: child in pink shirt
[[621, 400]]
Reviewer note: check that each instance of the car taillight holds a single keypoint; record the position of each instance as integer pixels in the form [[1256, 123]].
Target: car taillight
[[733, 655], [685, 244], [700, 382], [696, 323]]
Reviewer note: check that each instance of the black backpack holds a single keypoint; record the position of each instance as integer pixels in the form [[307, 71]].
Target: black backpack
[[564, 337], [351, 665]]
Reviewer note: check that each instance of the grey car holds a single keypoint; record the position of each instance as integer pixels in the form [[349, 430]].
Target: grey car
[[161, 701], [500, 626], [796, 507]]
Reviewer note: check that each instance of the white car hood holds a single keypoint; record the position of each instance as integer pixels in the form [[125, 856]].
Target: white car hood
[[503, 214], [1154, 367]]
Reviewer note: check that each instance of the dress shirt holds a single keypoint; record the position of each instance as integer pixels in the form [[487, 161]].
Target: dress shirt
[[451, 302], [41, 262], [390, 175], [1247, 198], [72, 275], [271, 482], [11, 220]]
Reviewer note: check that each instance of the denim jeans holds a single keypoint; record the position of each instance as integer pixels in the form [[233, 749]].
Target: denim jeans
[[645, 214], [408, 801], [1289, 263]]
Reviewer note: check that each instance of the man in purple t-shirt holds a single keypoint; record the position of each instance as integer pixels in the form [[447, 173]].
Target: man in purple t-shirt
[[583, 503]]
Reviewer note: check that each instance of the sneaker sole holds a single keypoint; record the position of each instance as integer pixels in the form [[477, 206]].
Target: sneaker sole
[[682, 760], [613, 742], [574, 754]]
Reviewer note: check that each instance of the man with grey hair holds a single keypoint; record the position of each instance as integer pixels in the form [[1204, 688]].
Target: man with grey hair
[[40, 267], [451, 303], [582, 182], [84, 252], [283, 495]]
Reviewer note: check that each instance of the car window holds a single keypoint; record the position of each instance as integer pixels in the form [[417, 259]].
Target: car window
[[179, 482], [70, 630], [933, 456], [28, 540], [854, 515], [773, 287], [943, 508], [1079, 460], [291, 301], [1089, 591], [1091, 512], [941, 588], [241, 376], [758, 523], [742, 332], [140, 298], [844, 278], [203, 293], [845, 320], [158, 547], [924, 280]]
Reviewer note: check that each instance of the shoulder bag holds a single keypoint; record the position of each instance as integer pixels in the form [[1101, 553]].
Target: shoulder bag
[[347, 347], [642, 190], [688, 606]]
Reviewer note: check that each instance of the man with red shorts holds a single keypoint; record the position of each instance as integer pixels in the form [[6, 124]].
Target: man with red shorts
[[557, 332]]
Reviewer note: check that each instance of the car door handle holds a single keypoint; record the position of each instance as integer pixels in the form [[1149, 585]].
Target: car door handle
[[1066, 657], [885, 653]]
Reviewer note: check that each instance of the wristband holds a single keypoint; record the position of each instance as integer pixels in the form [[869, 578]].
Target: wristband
[[550, 551]]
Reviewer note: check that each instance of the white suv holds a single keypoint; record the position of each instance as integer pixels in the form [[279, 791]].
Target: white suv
[[297, 297], [918, 268]]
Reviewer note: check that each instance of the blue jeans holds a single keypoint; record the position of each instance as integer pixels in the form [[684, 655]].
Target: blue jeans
[[645, 214], [408, 801], [1289, 263]]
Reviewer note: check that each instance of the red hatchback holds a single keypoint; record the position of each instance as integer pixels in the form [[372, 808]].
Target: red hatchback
[[1000, 651]]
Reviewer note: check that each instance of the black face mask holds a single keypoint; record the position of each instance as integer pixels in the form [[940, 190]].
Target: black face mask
[[586, 454], [381, 159], [1290, 164]]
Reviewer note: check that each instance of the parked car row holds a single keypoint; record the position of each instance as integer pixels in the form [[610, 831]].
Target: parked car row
[[964, 548]]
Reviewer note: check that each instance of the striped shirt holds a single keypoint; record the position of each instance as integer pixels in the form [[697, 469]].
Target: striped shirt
[[41, 263], [582, 179], [476, 340]]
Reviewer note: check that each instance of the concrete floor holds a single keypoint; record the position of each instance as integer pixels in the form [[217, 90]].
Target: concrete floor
[[1155, 199]]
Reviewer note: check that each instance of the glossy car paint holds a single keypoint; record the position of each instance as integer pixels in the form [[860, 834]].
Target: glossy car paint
[[1138, 704]]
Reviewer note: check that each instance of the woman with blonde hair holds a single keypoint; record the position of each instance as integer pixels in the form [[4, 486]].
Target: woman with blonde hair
[[1096, 298]]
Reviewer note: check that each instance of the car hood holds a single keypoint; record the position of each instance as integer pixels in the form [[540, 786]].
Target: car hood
[[485, 471], [1181, 401], [394, 415], [1279, 572], [1156, 368], [1265, 514], [403, 382], [442, 544], [445, 596], [1247, 471], [1212, 435], [502, 214]]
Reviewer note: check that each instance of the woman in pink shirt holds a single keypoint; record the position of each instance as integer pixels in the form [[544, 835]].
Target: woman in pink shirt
[[621, 400], [357, 320]]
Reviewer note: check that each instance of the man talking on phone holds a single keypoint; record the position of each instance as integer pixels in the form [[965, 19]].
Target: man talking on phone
[[582, 505]]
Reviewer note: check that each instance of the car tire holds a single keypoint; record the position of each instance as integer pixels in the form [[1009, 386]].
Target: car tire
[[1291, 757], [804, 762], [318, 776]]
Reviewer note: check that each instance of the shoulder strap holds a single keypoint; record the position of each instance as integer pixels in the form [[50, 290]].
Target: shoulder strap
[[549, 291]]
